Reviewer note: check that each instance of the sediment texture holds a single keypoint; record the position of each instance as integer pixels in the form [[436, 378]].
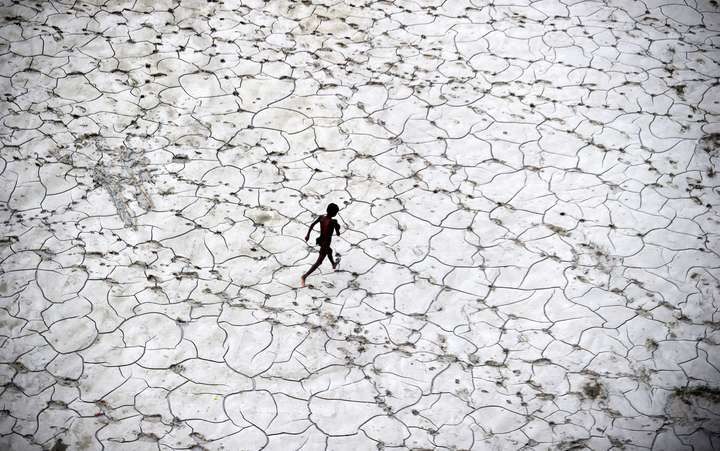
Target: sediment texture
[[529, 242]]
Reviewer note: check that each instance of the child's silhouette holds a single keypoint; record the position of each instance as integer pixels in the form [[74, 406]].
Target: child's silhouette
[[327, 225]]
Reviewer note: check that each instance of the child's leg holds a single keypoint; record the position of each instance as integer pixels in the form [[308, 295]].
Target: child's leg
[[315, 265], [330, 257]]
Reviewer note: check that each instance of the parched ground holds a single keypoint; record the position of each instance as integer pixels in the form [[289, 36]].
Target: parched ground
[[530, 235]]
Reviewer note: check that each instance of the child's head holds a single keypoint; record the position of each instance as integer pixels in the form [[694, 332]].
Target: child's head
[[332, 210]]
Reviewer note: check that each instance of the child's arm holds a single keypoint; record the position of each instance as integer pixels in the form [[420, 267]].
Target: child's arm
[[307, 237], [337, 228]]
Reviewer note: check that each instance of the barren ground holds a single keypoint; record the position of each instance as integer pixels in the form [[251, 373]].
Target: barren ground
[[529, 243]]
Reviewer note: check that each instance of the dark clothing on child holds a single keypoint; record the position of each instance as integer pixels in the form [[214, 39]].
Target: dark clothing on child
[[327, 226]]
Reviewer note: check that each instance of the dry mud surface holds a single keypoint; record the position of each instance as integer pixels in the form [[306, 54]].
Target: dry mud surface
[[529, 244]]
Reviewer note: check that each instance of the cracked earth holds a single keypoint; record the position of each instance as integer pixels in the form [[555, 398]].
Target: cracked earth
[[529, 225]]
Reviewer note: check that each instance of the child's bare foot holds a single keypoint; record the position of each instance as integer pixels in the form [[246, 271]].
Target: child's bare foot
[[302, 282]]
